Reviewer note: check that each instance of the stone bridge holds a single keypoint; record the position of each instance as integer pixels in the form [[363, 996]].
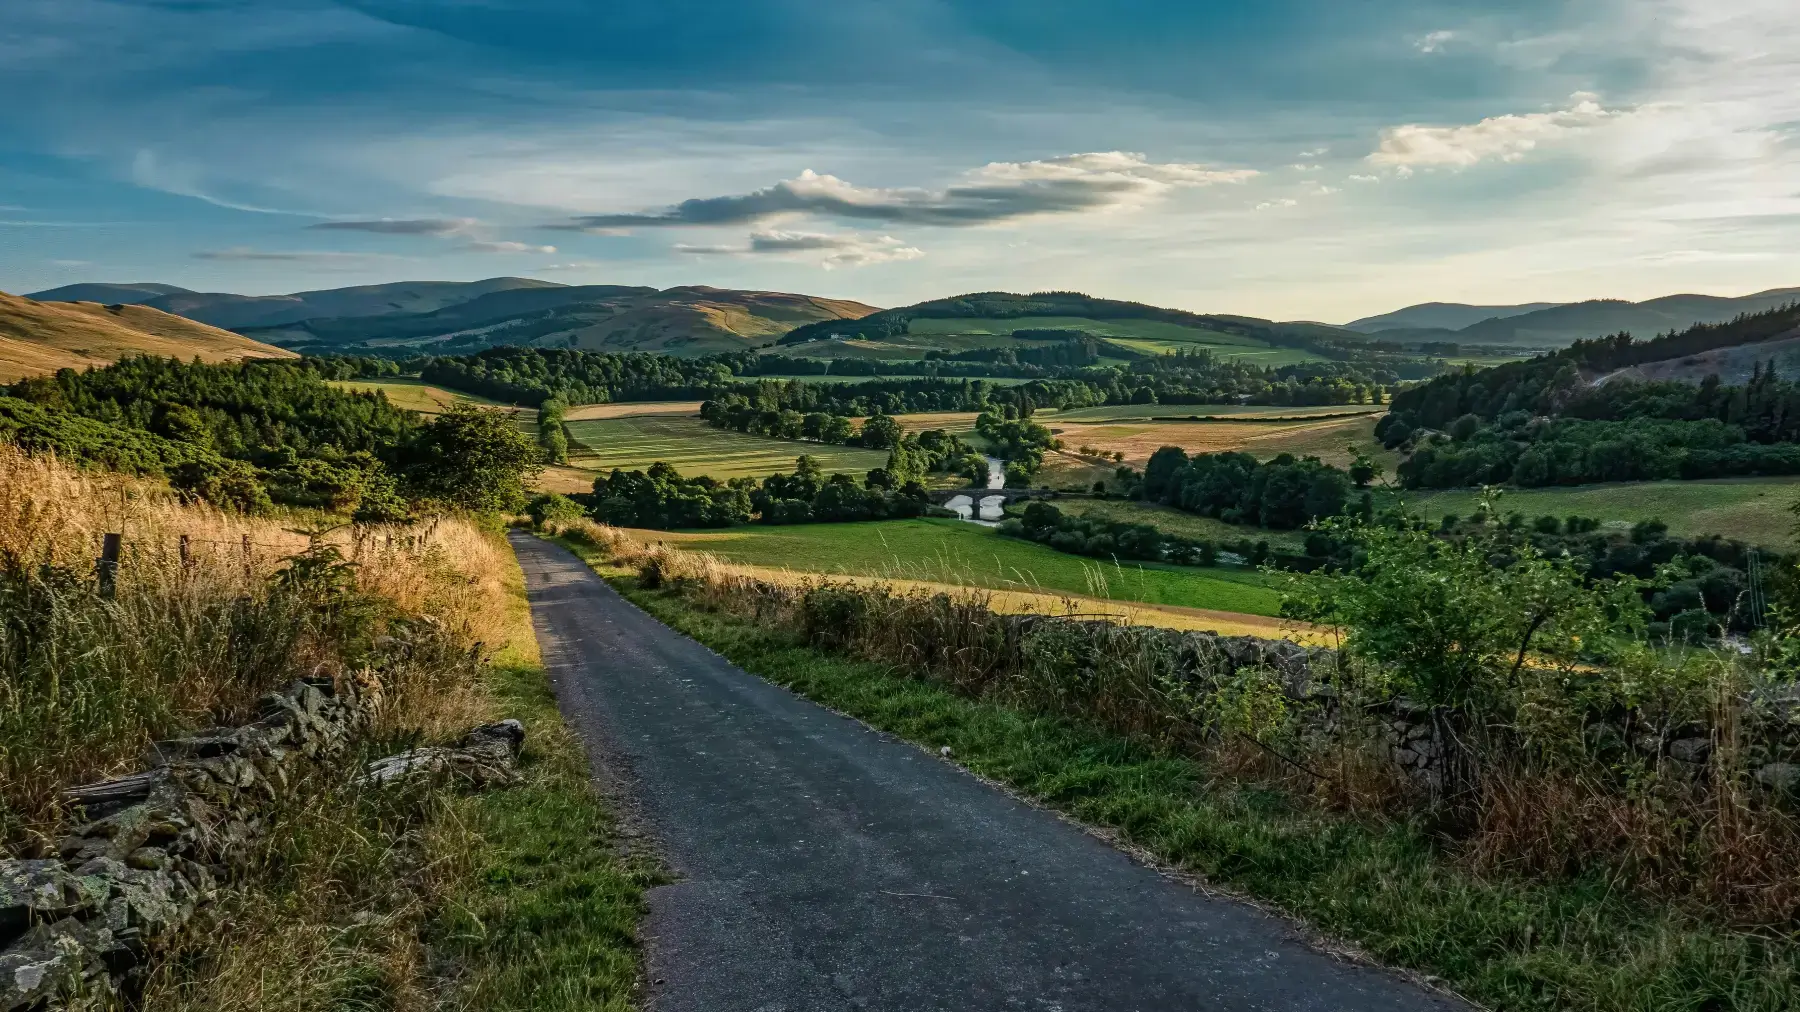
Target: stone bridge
[[944, 495]]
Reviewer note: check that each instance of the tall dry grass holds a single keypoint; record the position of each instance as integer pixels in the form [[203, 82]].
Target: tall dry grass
[[87, 681]]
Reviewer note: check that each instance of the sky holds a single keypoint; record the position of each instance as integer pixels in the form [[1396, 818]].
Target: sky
[[1289, 159]]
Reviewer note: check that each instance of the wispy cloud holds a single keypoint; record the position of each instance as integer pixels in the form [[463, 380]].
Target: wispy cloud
[[999, 191], [402, 226], [1507, 138], [1433, 42], [242, 253], [839, 249], [505, 246]]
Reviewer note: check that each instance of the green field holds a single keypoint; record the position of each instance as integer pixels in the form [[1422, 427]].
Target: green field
[[951, 551], [1754, 510], [1173, 521], [695, 448]]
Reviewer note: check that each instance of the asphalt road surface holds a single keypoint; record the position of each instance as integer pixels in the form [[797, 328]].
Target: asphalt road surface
[[824, 866]]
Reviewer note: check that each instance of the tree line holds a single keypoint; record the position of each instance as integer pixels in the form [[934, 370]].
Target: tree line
[[663, 498]]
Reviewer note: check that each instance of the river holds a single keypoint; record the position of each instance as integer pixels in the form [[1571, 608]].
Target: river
[[990, 509]]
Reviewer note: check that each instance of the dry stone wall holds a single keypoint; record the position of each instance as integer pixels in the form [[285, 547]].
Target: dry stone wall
[[84, 923]]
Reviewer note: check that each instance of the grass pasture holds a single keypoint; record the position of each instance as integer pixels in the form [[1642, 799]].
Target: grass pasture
[[1754, 510], [962, 554], [634, 442]]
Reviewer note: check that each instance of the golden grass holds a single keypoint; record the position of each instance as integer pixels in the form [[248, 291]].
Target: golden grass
[[414, 395], [1326, 439], [39, 337]]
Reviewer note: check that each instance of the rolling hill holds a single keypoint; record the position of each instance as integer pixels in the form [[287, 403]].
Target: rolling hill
[[1441, 316], [693, 320], [1543, 325], [986, 318], [42, 337], [130, 293], [236, 312]]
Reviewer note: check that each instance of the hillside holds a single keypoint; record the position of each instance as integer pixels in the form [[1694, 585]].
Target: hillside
[[41, 337], [693, 320], [988, 318], [236, 312], [1544, 325], [1441, 316], [130, 293]]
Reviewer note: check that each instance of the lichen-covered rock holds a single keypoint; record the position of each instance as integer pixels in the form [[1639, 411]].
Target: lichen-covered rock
[[54, 960], [44, 890], [485, 756], [1783, 777]]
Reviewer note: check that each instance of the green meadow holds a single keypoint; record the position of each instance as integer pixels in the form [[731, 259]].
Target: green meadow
[[952, 551]]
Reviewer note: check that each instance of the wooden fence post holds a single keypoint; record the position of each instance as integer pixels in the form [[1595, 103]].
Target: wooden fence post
[[187, 555], [248, 573], [109, 564]]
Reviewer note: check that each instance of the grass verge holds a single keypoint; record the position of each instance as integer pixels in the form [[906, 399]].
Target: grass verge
[[1385, 886], [544, 914]]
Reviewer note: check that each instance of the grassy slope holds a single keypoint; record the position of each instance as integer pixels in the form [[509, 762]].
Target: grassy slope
[[694, 448], [951, 551], [40, 337], [1386, 887], [546, 918], [416, 395], [1756, 510]]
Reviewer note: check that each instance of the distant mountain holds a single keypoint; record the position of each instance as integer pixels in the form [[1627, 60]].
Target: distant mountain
[[128, 294], [42, 337], [1442, 316], [236, 312], [1566, 324], [1555, 326], [692, 320]]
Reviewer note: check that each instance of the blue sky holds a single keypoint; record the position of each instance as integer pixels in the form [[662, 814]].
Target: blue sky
[[1297, 159]]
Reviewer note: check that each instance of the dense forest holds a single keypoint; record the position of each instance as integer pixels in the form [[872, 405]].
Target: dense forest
[[1543, 422], [1282, 493], [251, 434]]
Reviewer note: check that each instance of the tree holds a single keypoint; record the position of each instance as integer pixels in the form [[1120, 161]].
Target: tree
[[881, 432], [473, 458]]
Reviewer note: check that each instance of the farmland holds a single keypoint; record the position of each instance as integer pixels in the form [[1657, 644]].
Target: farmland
[[634, 442], [1326, 438], [1754, 510], [953, 552]]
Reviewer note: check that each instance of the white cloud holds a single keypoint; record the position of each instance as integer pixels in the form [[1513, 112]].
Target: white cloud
[[841, 249], [1281, 202], [1365, 179], [1433, 42], [574, 265], [1507, 138], [506, 247], [998, 191]]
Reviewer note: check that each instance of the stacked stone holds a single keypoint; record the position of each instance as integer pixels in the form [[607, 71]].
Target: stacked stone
[[82, 924]]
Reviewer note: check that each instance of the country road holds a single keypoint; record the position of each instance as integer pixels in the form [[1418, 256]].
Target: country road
[[823, 866]]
